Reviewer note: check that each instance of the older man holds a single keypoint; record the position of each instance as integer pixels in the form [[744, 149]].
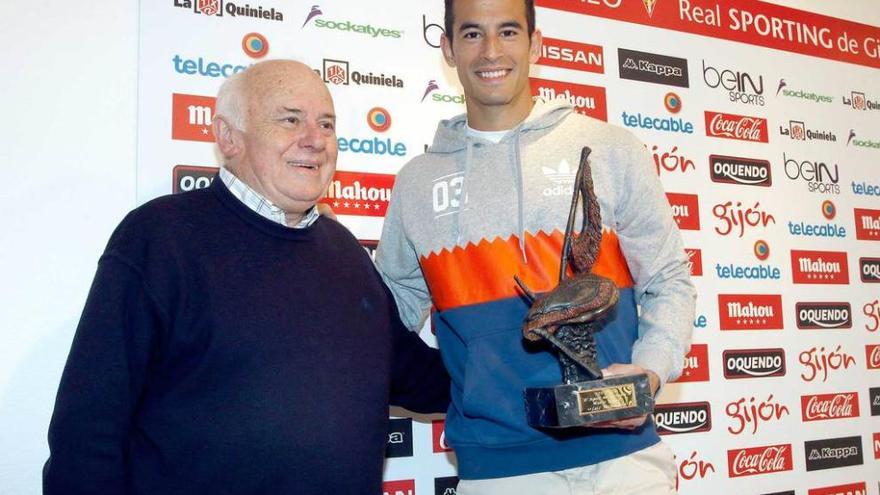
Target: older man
[[235, 341]]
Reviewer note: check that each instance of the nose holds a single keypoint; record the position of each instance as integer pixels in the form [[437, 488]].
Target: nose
[[491, 47], [312, 137]]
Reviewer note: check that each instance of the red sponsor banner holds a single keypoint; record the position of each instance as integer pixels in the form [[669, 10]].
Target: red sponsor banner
[[872, 356], [876, 442], [740, 127], [759, 460], [695, 259], [587, 100], [850, 489], [746, 21], [696, 365], [191, 117], [867, 224], [400, 487], [685, 210], [438, 432], [358, 193], [829, 406], [819, 267], [750, 311], [572, 55]]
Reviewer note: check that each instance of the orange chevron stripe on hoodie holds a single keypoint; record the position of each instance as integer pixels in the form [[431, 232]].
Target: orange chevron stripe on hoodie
[[483, 272]]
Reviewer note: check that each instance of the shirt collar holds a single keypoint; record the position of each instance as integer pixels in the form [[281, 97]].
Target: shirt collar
[[262, 206]]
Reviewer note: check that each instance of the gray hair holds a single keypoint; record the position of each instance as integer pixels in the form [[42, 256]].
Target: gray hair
[[231, 100]]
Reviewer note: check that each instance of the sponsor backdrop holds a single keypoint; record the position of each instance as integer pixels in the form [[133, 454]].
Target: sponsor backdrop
[[764, 125]]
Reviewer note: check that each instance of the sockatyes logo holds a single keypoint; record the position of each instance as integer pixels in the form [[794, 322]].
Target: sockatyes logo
[[786, 91], [315, 13], [433, 90]]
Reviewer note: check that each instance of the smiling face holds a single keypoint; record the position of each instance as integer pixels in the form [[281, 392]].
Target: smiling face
[[287, 151], [491, 50]]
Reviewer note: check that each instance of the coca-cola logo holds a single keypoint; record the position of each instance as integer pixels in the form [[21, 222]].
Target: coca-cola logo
[[819, 362], [740, 127], [850, 489], [823, 315], [869, 270], [753, 363], [740, 171], [750, 311], [438, 434], [749, 414], [696, 365], [867, 224], [358, 193], [673, 419], [759, 460], [830, 406], [872, 356], [833, 453], [819, 267], [695, 261], [685, 210]]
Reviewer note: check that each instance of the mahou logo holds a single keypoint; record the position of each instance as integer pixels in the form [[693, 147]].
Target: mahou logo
[[823, 315], [750, 311], [190, 177], [400, 487], [587, 100], [740, 171], [869, 270], [191, 117], [740, 127], [753, 363], [819, 267], [759, 460], [685, 210], [438, 433], [571, 55], [850, 489], [867, 224], [696, 365], [356, 193], [830, 406], [872, 356], [672, 419], [876, 445], [695, 261]]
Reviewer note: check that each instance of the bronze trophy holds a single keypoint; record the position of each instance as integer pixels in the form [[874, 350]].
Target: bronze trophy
[[566, 318]]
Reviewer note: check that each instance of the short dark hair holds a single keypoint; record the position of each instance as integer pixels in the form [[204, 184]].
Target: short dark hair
[[448, 20]]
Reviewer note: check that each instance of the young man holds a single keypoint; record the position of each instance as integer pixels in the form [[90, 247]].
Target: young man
[[481, 206], [235, 341]]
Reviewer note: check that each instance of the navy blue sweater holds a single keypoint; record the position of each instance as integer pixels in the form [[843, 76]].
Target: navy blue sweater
[[221, 353]]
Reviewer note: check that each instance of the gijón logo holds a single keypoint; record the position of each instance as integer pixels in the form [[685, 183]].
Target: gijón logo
[[823, 315], [753, 363], [190, 177], [691, 417], [819, 360]]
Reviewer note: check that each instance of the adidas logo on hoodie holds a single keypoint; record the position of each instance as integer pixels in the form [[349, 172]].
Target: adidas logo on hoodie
[[562, 179]]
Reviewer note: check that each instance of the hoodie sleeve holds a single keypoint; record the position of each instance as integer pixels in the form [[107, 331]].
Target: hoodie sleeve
[[652, 246], [398, 263]]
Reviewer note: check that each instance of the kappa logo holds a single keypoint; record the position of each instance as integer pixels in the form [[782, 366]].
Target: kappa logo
[[447, 485], [400, 438], [653, 68], [563, 178], [833, 453]]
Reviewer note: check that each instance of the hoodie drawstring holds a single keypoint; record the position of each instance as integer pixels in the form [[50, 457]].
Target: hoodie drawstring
[[468, 151], [517, 173]]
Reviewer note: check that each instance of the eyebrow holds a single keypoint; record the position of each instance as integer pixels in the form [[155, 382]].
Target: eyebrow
[[474, 25], [300, 112]]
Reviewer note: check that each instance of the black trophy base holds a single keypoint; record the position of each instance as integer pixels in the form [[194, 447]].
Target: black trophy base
[[590, 402]]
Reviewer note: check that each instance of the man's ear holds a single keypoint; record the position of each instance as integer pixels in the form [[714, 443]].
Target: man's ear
[[227, 140], [446, 47], [535, 47]]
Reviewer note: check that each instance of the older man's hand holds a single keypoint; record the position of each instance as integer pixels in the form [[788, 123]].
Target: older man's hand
[[629, 369]]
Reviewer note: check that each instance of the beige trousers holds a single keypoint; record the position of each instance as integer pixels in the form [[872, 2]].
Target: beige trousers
[[650, 471]]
